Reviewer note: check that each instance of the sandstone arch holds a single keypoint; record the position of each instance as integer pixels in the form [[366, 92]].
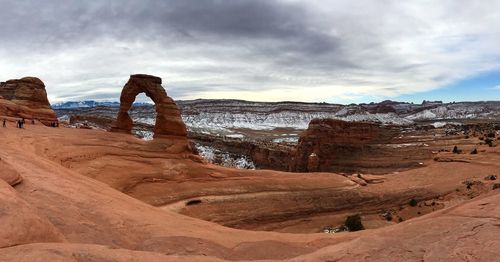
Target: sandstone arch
[[168, 116]]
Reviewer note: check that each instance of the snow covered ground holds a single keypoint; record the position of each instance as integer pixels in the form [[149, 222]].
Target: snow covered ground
[[216, 156]]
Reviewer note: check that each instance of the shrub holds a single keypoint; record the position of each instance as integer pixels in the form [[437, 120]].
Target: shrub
[[413, 202], [387, 215], [489, 142], [491, 134], [353, 223], [455, 150], [491, 177], [474, 152]]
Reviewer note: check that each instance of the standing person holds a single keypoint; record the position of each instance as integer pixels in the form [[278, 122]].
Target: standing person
[[22, 122], [4, 124]]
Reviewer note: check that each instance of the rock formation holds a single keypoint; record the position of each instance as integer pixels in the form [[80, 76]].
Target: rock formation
[[8, 174], [71, 208], [26, 98], [336, 145], [168, 117]]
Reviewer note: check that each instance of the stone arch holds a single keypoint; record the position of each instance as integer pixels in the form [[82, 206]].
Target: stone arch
[[168, 117]]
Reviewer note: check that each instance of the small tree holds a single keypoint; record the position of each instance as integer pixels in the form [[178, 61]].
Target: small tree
[[413, 202]]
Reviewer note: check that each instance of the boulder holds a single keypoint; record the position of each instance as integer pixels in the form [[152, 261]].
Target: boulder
[[168, 116]]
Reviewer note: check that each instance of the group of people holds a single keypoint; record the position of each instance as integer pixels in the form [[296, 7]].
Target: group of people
[[20, 123]]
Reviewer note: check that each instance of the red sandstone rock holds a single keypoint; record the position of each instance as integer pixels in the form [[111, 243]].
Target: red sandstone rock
[[20, 223], [26, 98], [8, 174], [337, 145], [168, 117], [103, 224]]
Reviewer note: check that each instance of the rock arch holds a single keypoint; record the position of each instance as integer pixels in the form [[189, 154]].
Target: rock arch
[[168, 116]]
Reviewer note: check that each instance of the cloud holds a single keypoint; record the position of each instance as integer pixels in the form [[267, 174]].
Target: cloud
[[249, 49], [496, 88]]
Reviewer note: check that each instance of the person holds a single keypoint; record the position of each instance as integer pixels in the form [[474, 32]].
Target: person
[[4, 124]]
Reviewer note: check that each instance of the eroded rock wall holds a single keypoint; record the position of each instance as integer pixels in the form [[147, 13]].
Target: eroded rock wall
[[336, 145], [26, 98]]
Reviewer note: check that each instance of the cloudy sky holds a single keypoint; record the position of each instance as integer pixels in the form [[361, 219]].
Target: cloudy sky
[[265, 50]]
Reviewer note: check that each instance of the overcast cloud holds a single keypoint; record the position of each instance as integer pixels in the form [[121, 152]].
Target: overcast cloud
[[315, 50]]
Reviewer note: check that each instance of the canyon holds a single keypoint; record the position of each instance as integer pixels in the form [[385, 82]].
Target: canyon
[[79, 192]]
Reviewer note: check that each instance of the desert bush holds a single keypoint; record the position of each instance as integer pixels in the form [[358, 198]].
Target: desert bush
[[353, 223], [387, 215], [474, 152], [413, 202]]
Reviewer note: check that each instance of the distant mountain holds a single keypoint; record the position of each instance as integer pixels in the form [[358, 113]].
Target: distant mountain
[[90, 104], [217, 116]]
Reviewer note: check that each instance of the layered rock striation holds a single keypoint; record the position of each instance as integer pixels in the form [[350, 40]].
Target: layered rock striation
[[26, 98], [336, 145]]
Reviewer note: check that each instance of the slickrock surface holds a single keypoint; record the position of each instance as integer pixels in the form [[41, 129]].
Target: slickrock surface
[[26, 98], [8, 174], [168, 117], [72, 180]]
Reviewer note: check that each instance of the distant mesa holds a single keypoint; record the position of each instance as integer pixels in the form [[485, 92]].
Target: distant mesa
[[168, 116], [341, 146], [26, 98]]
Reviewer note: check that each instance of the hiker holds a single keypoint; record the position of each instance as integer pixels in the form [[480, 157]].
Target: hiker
[[4, 124]]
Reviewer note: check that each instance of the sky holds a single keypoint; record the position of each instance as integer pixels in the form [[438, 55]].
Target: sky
[[262, 50]]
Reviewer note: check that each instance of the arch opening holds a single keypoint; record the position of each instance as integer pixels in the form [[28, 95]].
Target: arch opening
[[168, 121]]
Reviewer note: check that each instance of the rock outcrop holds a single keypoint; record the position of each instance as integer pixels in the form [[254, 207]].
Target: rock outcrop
[[9, 174], [26, 98], [20, 222], [336, 145], [168, 117]]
